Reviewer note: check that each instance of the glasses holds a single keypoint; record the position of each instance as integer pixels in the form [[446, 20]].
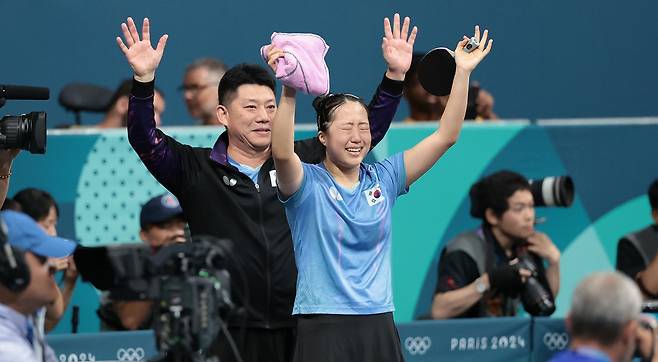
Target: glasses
[[194, 88]]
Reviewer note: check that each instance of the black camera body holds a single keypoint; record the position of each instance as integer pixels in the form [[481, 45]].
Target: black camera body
[[189, 282], [27, 131], [536, 300]]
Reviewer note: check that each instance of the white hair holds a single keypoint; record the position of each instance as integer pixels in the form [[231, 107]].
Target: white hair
[[602, 305]]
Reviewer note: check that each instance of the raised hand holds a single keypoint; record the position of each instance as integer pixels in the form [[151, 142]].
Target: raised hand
[[398, 46], [468, 61], [273, 54], [140, 54]]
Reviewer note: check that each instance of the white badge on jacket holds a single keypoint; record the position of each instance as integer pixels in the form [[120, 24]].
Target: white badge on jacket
[[374, 195], [273, 178]]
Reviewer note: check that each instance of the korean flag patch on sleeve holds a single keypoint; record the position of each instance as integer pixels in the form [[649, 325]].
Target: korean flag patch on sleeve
[[374, 195]]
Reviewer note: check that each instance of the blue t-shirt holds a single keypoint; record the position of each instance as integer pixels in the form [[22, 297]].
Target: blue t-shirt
[[342, 239], [581, 355], [251, 172]]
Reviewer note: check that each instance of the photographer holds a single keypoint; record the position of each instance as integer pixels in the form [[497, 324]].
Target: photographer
[[637, 252], [27, 284], [605, 322], [162, 224], [484, 272]]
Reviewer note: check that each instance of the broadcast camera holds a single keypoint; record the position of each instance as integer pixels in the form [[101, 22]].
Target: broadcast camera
[[189, 283], [27, 131]]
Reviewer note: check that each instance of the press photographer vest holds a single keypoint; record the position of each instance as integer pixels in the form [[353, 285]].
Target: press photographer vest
[[474, 244], [645, 242]]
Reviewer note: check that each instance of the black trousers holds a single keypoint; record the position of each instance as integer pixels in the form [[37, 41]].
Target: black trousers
[[256, 345], [346, 338]]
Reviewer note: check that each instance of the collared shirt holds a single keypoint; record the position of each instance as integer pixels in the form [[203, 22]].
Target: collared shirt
[[18, 337]]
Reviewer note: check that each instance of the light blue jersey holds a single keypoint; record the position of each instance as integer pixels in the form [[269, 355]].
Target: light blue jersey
[[342, 239], [251, 172]]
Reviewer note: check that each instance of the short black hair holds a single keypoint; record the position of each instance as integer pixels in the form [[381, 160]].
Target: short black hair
[[653, 195], [325, 107], [36, 203], [492, 192], [11, 204], [243, 74]]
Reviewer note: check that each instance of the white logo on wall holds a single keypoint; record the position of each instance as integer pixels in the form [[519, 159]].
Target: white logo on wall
[[486, 343], [131, 354], [417, 345], [556, 341], [77, 357]]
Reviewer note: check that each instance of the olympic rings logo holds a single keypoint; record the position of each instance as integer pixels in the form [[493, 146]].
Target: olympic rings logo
[[417, 345], [131, 354], [556, 341], [82, 357]]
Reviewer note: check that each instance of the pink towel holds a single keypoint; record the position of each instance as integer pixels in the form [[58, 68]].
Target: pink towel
[[302, 67]]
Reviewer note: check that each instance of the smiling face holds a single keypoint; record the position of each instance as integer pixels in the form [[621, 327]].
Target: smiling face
[[347, 138], [248, 117]]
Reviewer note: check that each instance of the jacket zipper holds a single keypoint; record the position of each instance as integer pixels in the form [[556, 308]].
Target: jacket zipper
[[267, 258]]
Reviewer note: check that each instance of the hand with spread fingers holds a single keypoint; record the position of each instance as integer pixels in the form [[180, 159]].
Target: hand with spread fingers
[[398, 46], [140, 54], [468, 61]]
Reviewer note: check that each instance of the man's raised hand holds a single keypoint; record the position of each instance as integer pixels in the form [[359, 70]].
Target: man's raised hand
[[139, 52], [398, 46]]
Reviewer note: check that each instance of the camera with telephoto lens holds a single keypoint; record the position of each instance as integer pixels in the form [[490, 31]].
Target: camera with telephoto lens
[[536, 300], [553, 191], [27, 131]]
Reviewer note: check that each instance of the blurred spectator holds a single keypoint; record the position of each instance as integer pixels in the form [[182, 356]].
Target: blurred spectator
[[42, 208], [200, 89], [424, 106], [117, 113], [605, 323], [162, 224], [480, 274], [637, 252], [26, 286]]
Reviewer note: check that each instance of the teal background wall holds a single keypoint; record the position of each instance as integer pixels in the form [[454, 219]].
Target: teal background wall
[[100, 185], [550, 59]]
